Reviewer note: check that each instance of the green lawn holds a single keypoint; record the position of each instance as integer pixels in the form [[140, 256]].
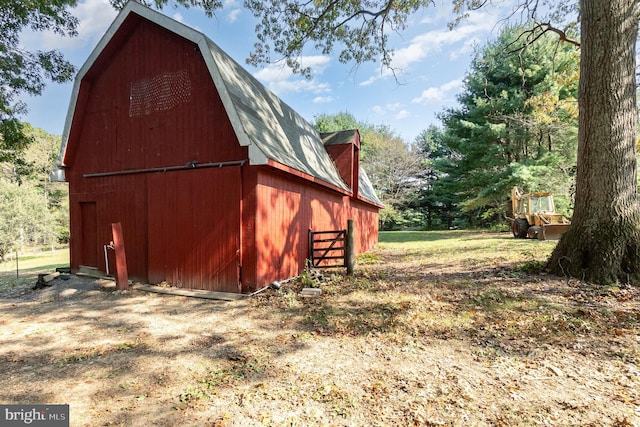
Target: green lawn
[[465, 244], [29, 266]]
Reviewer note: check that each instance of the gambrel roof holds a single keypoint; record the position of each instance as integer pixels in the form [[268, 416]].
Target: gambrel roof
[[272, 130]]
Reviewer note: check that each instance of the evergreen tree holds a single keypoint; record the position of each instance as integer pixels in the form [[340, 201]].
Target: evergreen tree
[[516, 125], [435, 197]]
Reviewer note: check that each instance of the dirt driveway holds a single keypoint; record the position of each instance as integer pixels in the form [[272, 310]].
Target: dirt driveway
[[409, 340]]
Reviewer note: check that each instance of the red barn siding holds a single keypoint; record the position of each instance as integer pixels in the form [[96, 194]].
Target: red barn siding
[[365, 219], [89, 242], [347, 160], [287, 208], [197, 246], [248, 250], [342, 155]]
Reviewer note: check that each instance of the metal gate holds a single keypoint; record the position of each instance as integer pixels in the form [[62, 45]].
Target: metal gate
[[327, 248]]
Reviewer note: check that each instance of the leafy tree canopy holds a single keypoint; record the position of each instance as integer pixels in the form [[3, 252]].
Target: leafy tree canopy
[[24, 71]]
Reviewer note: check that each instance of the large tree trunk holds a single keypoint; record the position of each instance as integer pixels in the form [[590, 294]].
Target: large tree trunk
[[603, 243]]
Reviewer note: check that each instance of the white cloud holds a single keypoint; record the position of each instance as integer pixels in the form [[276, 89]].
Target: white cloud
[[434, 41], [436, 95], [323, 99], [280, 79], [402, 114], [370, 81], [318, 63], [233, 9], [178, 17], [395, 108], [94, 17], [457, 42], [298, 85], [467, 49], [433, 94], [453, 84], [441, 12], [233, 15]]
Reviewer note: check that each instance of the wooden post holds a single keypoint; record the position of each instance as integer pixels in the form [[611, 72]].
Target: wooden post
[[350, 258], [310, 247], [122, 277]]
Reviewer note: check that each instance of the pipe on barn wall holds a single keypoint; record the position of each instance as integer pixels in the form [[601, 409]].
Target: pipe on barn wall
[[106, 256], [275, 285], [191, 165]]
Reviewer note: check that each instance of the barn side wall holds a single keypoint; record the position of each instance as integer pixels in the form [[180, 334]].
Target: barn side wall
[[248, 249], [287, 208], [149, 102]]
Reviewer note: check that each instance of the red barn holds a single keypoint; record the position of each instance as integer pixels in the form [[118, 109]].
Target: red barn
[[215, 180]]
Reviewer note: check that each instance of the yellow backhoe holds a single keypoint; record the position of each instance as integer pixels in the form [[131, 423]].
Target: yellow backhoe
[[535, 216]]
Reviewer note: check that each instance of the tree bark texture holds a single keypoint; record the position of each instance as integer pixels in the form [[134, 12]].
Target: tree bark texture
[[603, 243]]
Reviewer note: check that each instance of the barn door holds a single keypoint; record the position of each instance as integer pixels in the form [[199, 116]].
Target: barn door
[[194, 228], [89, 239]]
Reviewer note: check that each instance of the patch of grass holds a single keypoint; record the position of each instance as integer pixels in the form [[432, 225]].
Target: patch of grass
[[359, 319], [339, 401], [191, 394], [475, 289], [495, 299], [227, 375], [440, 323], [532, 267], [29, 267], [361, 283], [31, 263], [8, 283], [412, 237], [289, 298], [369, 258], [472, 247], [83, 355], [306, 279], [222, 377]]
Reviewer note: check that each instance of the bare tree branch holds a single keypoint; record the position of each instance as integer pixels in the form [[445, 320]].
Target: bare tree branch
[[546, 27]]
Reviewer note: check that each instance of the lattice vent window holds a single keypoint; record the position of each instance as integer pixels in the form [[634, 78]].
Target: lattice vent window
[[159, 93]]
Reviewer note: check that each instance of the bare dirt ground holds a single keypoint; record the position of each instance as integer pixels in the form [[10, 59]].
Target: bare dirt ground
[[416, 337]]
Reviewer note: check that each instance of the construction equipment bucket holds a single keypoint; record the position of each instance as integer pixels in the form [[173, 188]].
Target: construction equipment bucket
[[552, 231]]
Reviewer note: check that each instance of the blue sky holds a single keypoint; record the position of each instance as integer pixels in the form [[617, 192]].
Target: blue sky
[[431, 59]]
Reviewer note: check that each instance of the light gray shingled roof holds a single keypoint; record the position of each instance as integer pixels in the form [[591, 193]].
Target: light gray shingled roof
[[273, 127], [365, 188]]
